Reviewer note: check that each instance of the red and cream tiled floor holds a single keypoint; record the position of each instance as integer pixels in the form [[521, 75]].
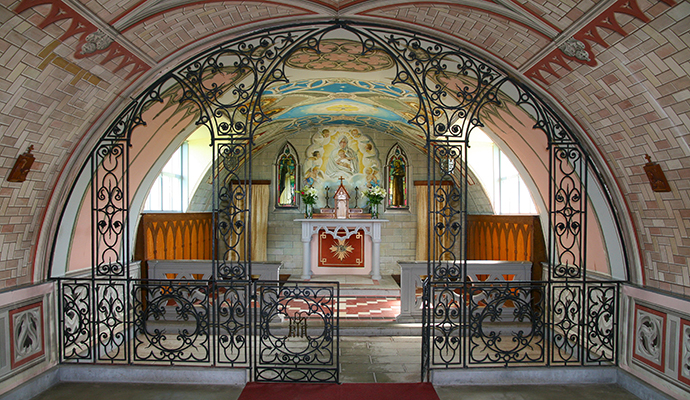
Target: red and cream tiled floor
[[361, 307], [386, 308], [363, 299]]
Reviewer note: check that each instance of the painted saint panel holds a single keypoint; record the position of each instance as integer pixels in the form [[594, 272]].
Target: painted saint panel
[[286, 177], [397, 178]]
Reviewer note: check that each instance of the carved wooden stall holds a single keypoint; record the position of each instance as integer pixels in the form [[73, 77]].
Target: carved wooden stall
[[189, 236], [174, 236], [506, 238], [499, 248]]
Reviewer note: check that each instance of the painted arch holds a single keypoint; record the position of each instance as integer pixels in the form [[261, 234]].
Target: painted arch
[[436, 94]]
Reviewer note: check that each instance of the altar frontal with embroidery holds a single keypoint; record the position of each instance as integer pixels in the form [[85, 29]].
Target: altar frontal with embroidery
[[347, 252]]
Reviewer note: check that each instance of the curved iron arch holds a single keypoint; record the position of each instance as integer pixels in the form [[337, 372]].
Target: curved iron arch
[[232, 112], [446, 116]]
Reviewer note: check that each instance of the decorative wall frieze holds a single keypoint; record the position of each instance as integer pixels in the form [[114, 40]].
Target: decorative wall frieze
[[657, 342], [684, 352], [650, 337], [579, 49], [26, 334], [91, 40]]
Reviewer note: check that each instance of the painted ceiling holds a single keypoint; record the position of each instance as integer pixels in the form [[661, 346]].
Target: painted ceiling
[[355, 90], [338, 101]]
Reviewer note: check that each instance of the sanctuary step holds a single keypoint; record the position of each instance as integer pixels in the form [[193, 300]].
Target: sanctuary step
[[358, 285]]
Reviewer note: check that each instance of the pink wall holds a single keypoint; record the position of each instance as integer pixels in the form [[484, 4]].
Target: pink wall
[[529, 145], [163, 124]]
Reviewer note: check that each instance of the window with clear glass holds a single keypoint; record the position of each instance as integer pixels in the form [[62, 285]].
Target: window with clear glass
[[396, 167], [286, 177], [169, 191], [501, 180]]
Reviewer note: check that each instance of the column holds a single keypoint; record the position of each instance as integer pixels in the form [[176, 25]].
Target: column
[[376, 251], [306, 245]]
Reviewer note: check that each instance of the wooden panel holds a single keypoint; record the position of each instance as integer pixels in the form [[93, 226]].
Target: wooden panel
[[500, 237], [174, 236], [506, 238]]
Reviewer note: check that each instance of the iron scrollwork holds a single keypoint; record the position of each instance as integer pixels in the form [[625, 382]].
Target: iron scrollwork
[[601, 323], [222, 89], [76, 320], [232, 213], [111, 320], [297, 331], [568, 211], [171, 321], [110, 209], [506, 324], [447, 324], [232, 326], [566, 323]]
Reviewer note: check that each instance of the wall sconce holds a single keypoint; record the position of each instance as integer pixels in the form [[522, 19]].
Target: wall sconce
[[656, 176], [22, 166]]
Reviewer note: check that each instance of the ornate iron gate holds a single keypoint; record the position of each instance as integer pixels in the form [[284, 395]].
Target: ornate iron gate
[[563, 319], [297, 332], [179, 322]]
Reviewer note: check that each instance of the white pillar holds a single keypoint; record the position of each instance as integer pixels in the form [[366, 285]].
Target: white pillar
[[306, 252], [410, 280], [376, 252]]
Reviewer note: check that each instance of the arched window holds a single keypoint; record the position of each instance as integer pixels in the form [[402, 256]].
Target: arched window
[[396, 178], [286, 177]]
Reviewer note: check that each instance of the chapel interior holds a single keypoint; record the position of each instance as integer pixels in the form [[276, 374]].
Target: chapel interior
[[345, 191]]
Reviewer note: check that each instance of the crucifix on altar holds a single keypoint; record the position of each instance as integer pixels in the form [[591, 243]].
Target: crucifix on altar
[[341, 209]]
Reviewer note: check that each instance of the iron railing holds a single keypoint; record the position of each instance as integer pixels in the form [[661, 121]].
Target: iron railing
[[563, 321], [293, 326], [535, 323]]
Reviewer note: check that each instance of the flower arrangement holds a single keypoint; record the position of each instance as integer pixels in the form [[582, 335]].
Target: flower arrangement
[[309, 195], [374, 195]]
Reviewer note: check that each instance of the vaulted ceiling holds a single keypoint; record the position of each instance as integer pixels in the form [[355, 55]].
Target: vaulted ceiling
[[616, 69]]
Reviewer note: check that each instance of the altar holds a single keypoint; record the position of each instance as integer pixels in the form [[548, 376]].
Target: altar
[[341, 230]]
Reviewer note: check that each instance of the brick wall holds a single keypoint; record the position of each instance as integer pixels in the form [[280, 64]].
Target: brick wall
[[636, 102], [47, 99]]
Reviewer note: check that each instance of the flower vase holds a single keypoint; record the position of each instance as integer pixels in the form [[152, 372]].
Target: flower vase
[[374, 211], [308, 210]]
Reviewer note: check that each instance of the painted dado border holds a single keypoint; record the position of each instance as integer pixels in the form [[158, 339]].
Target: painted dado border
[[27, 330], [684, 352], [664, 320], [35, 305], [649, 345]]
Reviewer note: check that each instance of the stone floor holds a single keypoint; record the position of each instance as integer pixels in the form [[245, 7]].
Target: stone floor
[[380, 359], [362, 359], [111, 391]]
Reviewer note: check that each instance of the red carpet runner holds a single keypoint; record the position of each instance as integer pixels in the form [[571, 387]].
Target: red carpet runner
[[345, 391]]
